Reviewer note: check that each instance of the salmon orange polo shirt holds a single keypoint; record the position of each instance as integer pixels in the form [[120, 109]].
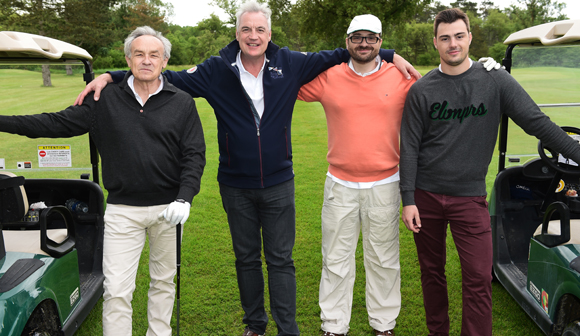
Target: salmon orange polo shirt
[[363, 116]]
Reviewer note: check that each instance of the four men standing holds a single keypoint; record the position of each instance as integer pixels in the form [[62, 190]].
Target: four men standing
[[252, 88]]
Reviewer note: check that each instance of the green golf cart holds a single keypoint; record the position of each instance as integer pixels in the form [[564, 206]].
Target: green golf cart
[[51, 230], [534, 205]]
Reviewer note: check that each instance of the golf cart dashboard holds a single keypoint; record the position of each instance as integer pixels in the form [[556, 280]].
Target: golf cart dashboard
[[538, 169], [56, 192], [567, 190]]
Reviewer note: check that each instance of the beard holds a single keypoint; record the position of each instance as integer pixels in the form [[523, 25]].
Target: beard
[[363, 59], [457, 61]]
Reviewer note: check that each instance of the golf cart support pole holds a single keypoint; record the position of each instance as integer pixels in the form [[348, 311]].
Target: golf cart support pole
[[503, 127], [178, 250], [88, 77]]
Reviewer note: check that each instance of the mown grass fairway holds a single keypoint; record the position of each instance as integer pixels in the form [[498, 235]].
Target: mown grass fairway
[[209, 295]]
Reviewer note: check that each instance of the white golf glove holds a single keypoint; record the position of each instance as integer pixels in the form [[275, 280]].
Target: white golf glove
[[176, 212], [489, 63]]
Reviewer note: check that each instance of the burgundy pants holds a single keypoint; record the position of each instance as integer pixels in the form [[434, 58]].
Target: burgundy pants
[[469, 221]]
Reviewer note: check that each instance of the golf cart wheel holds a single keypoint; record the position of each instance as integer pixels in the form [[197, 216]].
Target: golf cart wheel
[[573, 329], [44, 321]]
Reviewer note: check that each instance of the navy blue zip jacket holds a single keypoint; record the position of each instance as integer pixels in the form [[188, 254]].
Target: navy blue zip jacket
[[255, 154]]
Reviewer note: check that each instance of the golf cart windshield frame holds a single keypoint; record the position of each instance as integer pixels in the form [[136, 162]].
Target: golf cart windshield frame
[[553, 34], [23, 48]]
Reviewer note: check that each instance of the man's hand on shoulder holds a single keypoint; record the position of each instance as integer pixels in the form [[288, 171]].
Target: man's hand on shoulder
[[411, 218], [405, 67], [490, 64], [97, 85]]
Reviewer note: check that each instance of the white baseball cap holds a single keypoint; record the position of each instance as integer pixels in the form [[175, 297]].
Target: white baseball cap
[[365, 22]]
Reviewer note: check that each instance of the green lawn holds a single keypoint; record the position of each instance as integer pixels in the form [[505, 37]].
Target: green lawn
[[209, 296]]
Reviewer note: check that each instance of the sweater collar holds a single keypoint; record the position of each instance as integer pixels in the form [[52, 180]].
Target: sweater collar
[[166, 85]]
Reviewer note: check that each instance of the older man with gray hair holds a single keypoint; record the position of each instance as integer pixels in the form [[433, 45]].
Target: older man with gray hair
[[150, 139]]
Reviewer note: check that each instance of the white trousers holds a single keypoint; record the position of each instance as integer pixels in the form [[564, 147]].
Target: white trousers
[[126, 228], [344, 212]]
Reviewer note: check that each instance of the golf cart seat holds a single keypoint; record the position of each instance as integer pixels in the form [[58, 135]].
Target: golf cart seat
[[29, 241], [39, 240], [554, 229]]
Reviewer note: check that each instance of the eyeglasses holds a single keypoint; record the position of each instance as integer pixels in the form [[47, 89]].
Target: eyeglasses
[[357, 39]]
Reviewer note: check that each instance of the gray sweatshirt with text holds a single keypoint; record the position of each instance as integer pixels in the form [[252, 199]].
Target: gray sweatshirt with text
[[450, 126]]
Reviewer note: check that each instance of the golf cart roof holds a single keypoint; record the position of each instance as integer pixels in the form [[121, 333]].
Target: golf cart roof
[[548, 34], [30, 48]]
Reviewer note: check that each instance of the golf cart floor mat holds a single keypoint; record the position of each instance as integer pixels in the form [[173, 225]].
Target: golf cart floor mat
[[516, 273], [19, 272], [88, 281], [523, 267]]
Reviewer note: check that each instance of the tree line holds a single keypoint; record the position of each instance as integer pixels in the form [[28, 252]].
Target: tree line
[[100, 26]]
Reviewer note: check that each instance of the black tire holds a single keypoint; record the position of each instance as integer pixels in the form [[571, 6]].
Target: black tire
[[573, 329], [44, 321]]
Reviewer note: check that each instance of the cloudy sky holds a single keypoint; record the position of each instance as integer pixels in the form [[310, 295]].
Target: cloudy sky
[[188, 13]]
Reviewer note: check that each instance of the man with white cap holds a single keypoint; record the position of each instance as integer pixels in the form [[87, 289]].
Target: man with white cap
[[363, 101]]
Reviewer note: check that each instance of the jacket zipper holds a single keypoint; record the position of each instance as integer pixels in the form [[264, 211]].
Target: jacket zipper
[[260, 154], [228, 147], [286, 137], [252, 108]]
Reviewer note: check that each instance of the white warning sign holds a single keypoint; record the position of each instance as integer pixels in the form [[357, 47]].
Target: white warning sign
[[54, 156]]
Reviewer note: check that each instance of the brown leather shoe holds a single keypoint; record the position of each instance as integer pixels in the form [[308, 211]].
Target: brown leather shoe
[[328, 333], [248, 332], [384, 333]]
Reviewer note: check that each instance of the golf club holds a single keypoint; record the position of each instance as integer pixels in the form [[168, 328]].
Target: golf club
[[178, 240]]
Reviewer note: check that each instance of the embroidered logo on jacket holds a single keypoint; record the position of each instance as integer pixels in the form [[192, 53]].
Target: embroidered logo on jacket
[[441, 111], [275, 72], [192, 70]]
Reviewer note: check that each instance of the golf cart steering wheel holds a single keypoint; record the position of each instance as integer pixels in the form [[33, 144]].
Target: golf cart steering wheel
[[553, 161]]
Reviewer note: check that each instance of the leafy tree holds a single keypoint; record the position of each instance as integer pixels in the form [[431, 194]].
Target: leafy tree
[[285, 25], [230, 7], [87, 24], [414, 43], [41, 17], [535, 12], [479, 46], [125, 16], [210, 35], [136, 13], [486, 7], [497, 51], [328, 20], [497, 27], [465, 5], [428, 14]]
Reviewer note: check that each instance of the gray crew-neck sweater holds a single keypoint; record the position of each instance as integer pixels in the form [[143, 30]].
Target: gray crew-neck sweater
[[450, 126]]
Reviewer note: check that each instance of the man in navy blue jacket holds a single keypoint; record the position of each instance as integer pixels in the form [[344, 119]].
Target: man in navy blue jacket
[[252, 88]]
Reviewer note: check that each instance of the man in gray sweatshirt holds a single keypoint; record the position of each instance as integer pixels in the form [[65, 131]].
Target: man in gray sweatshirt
[[448, 134]]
